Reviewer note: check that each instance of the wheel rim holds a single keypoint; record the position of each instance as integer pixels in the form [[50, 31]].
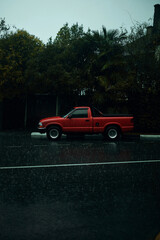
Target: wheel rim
[[112, 133], [54, 133]]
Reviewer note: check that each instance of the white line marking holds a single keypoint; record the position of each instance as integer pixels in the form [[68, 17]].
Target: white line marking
[[13, 146], [64, 144], [39, 145], [80, 164]]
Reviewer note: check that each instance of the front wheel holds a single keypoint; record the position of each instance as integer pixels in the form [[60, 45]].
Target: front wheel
[[54, 133], [112, 133]]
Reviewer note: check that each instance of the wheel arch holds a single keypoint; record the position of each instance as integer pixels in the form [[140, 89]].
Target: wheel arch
[[53, 125], [113, 125]]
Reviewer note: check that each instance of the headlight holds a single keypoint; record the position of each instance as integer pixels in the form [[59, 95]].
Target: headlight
[[40, 124]]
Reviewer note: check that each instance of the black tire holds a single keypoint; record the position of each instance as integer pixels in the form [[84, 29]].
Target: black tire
[[54, 133], [112, 133]]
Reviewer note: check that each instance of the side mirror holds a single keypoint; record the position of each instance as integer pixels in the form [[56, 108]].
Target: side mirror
[[69, 116]]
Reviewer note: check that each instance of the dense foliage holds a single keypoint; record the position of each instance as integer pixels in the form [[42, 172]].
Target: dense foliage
[[109, 67]]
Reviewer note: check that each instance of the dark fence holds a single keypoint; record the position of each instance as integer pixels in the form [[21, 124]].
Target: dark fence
[[145, 108], [13, 114]]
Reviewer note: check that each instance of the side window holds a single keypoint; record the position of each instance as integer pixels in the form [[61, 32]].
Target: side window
[[80, 113]]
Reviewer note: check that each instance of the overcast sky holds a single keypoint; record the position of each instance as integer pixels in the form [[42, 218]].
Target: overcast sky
[[44, 18]]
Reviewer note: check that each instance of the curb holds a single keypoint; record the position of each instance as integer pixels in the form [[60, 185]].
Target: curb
[[37, 134], [42, 135], [137, 136], [149, 136]]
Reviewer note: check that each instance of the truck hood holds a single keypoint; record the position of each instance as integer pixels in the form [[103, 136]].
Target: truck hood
[[50, 119]]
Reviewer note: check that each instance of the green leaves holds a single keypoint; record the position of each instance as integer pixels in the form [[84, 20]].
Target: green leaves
[[16, 51], [99, 63]]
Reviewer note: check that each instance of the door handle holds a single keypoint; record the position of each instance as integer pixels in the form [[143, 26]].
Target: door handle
[[87, 120]]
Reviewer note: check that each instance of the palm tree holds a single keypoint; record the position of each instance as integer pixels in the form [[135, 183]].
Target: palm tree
[[111, 62]]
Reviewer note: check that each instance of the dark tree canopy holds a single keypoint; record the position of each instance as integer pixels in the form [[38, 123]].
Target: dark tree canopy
[[106, 65]]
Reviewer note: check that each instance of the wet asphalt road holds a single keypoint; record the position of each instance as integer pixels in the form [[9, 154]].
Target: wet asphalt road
[[79, 189]]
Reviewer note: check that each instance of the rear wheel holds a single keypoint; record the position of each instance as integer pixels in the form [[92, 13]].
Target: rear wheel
[[54, 133], [112, 133]]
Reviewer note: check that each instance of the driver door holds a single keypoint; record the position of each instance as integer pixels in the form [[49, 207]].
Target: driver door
[[79, 121]]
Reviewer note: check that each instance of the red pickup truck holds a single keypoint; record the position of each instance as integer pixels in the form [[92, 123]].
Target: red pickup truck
[[86, 120]]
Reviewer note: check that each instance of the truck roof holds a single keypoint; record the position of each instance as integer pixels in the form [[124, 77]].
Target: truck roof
[[82, 107]]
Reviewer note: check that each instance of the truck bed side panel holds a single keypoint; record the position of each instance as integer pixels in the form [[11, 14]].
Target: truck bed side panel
[[100, 123]]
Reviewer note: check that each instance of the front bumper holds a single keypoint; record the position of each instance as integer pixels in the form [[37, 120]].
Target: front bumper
[[41, 130]]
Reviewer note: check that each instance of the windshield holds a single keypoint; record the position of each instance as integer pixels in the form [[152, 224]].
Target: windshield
[[68, 113]]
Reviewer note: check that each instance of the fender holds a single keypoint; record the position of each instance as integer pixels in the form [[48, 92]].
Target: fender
[[54, 123], [112, 123]]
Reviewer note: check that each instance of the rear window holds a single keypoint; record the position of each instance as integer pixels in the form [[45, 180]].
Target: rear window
[[96, 112]]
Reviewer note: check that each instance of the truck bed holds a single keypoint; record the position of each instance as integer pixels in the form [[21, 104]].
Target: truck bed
[[117, 115]]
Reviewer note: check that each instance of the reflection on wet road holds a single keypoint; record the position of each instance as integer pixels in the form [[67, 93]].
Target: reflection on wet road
[[83, 202], [26, 151]]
